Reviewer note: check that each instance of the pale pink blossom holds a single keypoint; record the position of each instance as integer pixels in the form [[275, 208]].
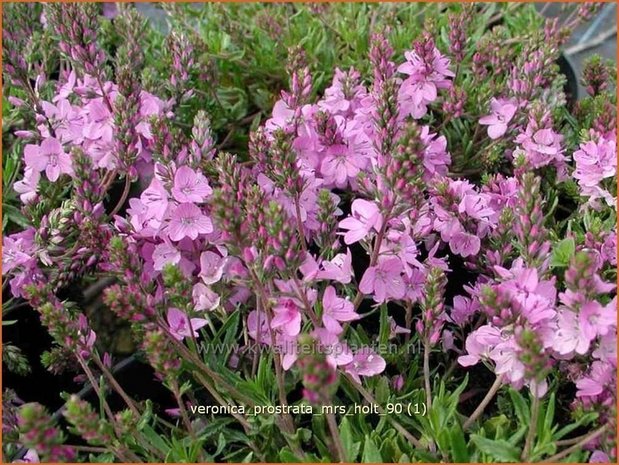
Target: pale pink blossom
[[28, 186], [337, 352], [336, 310], [204, 298], [287, 318], [502, 112], [187, 220], [190, 186], [338, 269], [30, 457], [165, 254], [181, 326], [384, 281], [365, 217], [49, 157], [365, 362], [211, 267]]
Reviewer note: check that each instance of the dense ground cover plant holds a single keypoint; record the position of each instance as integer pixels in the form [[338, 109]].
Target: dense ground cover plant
[[288, 213]]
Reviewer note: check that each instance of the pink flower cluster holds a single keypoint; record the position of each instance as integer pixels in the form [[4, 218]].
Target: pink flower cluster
[[355, 170], [575, 324], [596, 166], [80, 115]]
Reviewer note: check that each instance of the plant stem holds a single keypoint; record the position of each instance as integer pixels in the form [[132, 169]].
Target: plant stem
[[370, 399], [299, 223], [123, 197], [484, 403], [578, 446], [205, 369], [528, 444], [337, 440], [95, 386], [306, 303], [121, 392], [375, 252], [408, 320], [279, 375], [97, 450], [106, 98], [426, 373], [181, 406]]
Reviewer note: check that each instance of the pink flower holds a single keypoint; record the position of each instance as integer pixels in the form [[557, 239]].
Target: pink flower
[[165, 254], [336, 352], [289, 349], [426, 75], [365, 362], [155, 199], [569, 338], [30, 457], [181, 326], [338, 269], [287, 317], [476, 206], [282, 115], [596, 161], [463, 309], [599, 456], [27, 187], [211, 267], [344, 94], [503, 110], [187, 220], [395, 329], [596, 320], [309, 268], [596, 381], [507, 360], [541, 147], [436, 158], [464, 244], [66, 89], [87, 337], [258, 327], [48, 156], [173, 412], [190, 186], [99, 124], [384, 281], [365, 217], [479, 344], [336, 310], [15, 253], [204, 298], [340, 166]]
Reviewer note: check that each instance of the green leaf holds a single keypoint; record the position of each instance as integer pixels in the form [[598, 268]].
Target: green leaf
[[287, 456], [382, 390], [155, 439], [585, 419], [371, 454], [459, 451], [546, 433], [348, 441], [520, 407], [498, 449], [562, 252], [385, 327]]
